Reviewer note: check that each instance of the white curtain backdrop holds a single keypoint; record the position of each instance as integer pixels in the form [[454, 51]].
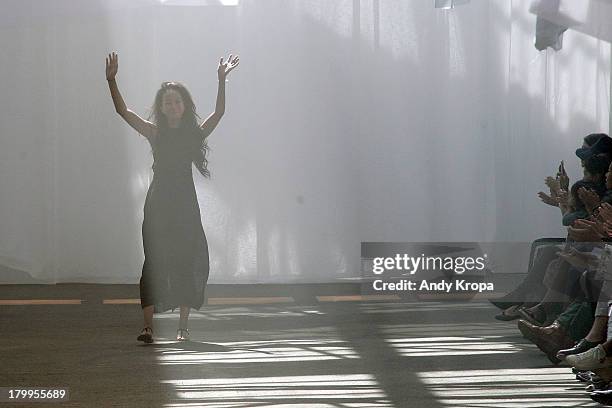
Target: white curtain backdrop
[[347, 121]]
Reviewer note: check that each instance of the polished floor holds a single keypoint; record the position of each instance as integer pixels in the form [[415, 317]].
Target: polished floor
[[302, 346]]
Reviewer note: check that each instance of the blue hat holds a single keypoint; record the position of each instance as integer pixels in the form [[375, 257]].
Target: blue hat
[[597, 143]]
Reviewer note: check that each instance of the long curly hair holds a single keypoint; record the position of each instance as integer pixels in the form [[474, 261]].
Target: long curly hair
[[189, 124]]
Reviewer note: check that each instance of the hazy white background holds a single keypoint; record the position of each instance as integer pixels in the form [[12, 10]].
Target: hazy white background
[[347, 121]]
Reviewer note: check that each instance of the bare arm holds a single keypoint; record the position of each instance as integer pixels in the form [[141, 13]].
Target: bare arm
[[222, 71], [145, 128], [212, 121]]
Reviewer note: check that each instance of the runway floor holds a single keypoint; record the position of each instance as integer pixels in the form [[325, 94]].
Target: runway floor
[[266, 350]]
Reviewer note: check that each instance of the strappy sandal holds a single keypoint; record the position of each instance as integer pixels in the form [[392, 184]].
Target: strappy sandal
[[146, 335], [182, 335], [509, 314]]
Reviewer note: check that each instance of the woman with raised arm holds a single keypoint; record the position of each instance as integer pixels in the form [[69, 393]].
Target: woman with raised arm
[[175, 269]]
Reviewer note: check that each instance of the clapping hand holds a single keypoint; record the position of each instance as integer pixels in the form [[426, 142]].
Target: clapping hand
[[603, 214], [557, 196], [553, 184], [546, 199], [589, 198], [587, 231], [563, 200], [553, 187]]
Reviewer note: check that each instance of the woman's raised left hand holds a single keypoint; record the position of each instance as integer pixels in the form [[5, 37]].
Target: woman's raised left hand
[[226, 67]]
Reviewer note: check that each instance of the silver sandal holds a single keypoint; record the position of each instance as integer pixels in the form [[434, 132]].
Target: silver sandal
[[182, 335]]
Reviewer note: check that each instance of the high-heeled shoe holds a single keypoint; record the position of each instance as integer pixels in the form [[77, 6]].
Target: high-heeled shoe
[[509, 314], [146, 335], [182, 335]]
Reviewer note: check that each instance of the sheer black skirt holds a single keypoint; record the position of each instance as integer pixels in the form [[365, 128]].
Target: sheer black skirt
[[176, 266]]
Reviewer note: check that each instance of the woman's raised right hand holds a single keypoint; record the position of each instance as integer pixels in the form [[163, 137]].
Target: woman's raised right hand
[[112, 65]]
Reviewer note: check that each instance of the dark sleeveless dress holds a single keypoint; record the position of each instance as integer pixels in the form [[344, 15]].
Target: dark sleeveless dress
[[176, 266]]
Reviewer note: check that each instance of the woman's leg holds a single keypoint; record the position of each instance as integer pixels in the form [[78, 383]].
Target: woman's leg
[[182, 334], [148, 316], [146, 334], [548, 307], [184, 317]]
